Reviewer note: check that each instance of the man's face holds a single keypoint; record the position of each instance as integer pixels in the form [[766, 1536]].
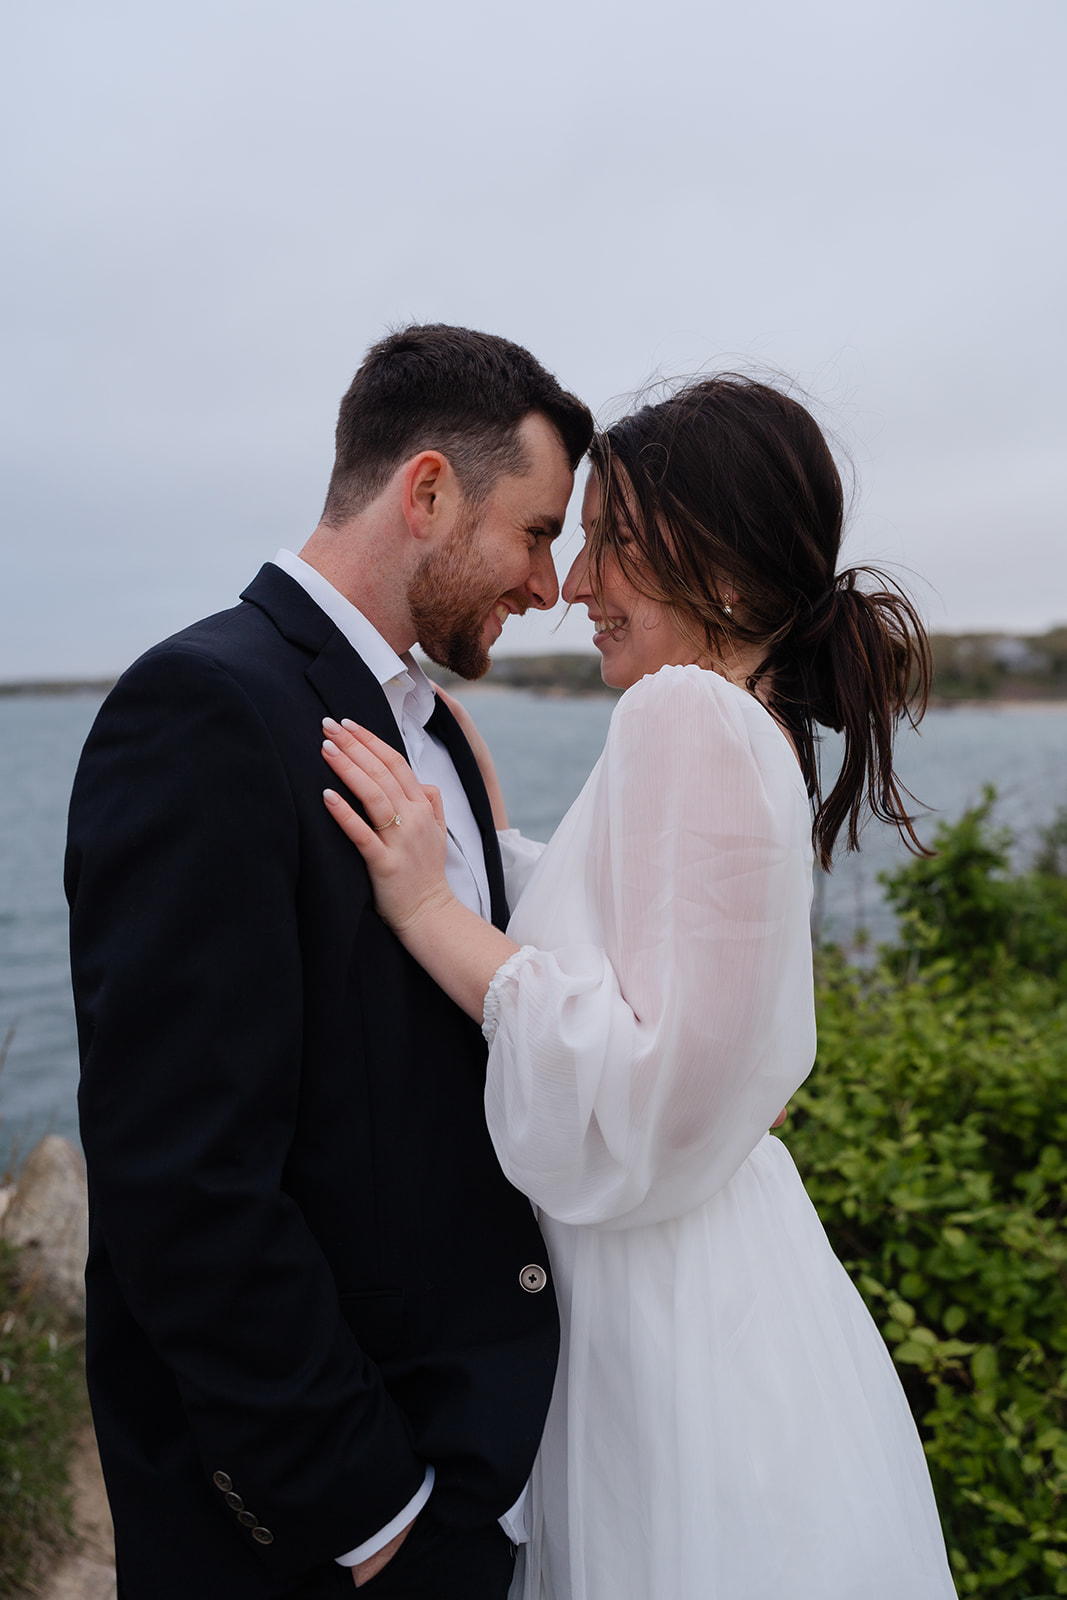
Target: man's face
[[497, 560]]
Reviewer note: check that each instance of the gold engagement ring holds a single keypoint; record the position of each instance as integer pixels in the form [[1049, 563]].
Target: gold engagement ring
[[394, 821]]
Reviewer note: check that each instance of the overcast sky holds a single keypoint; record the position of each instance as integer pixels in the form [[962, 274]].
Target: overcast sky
[[214, 206]]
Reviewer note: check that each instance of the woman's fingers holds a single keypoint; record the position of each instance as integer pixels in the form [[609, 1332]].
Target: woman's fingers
[[406, 863], [360, 770], [437, 805], [351, 751], [376, 774], [371, 783], [376, 801], [356, 748], [391, 759], [361, 833]]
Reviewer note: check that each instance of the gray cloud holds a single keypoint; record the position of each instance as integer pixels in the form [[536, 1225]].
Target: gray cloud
[[214, 208]]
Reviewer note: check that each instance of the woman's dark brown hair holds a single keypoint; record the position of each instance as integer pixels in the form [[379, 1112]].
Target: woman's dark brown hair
[[726, 495]]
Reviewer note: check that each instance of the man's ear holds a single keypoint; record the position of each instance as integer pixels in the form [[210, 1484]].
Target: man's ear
[[430, 496]]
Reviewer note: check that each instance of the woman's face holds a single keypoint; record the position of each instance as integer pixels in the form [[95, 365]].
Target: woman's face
[[634, 635]]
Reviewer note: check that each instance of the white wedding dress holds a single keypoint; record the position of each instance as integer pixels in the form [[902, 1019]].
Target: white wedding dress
[[726, 1423]]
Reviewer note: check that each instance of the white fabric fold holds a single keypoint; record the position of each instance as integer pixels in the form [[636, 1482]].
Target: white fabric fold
[[726, 1422], [519, 856], [666, 1015]]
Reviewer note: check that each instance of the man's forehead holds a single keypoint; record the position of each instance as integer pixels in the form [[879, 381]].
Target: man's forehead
[[543, 445]]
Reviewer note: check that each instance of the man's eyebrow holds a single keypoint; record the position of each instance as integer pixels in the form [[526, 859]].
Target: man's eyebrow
[[550, 527]]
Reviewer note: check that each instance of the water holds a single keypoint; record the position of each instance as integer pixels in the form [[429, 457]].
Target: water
[[40, 739], [545, 748]]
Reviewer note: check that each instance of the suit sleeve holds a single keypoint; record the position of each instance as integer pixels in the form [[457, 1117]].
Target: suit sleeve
[[182, 869]]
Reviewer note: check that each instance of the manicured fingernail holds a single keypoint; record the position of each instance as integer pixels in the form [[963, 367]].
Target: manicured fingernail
[[330, 748], [330, 725], [353, 727], [330, 796]]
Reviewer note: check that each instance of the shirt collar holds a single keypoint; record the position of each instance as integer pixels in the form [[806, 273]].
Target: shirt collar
[[363, 636]]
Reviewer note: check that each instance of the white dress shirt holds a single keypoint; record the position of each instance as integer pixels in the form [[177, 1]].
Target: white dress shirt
[[411, 700]]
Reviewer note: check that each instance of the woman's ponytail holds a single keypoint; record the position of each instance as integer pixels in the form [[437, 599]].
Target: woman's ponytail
[[857, 661]]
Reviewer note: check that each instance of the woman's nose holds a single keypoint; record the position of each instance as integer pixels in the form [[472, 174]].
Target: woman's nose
[[575, 584]]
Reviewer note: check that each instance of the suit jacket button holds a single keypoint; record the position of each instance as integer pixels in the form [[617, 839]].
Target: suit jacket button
[[247, 1519], [235, 1502], [223, 1481], [262, 1536], [533, 1278]]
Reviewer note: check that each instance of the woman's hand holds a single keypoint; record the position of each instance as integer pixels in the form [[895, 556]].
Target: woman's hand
[[404, 842], [486, 766]]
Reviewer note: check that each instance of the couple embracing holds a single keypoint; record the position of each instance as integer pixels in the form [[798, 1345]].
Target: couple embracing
[[335, 1044]]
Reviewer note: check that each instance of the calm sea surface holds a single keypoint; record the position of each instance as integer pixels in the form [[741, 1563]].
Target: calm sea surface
[[544, 748]]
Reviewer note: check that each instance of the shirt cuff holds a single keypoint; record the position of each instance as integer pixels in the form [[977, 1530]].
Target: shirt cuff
[[378, 1541]]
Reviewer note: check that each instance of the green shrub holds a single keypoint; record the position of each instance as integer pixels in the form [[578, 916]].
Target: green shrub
[[964, 905], [42, 1402], [932, 1136]]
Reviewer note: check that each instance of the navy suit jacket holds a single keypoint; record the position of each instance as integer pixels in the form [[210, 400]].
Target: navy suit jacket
[[304, 1271]]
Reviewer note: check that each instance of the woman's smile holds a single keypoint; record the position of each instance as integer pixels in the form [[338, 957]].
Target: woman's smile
[[607, 628], [634, 634]]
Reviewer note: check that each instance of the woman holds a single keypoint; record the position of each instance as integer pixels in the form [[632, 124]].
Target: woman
[[727, 1424]]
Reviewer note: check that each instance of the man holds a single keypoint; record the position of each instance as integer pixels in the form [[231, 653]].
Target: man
[[321, 1337]]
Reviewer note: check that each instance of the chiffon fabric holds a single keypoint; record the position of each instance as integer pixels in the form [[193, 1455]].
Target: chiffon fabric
[[726, 1422]]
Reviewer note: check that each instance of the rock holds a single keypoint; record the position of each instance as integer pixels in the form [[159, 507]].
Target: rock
[[77, 1578], [89, 1573], [92, 1514], [48, 1220]]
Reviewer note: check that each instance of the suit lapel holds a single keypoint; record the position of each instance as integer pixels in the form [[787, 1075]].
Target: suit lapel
[[347, 688], [444, 725], [341, 679]]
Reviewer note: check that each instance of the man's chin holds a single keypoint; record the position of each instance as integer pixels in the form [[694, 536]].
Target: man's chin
[[468, 658]]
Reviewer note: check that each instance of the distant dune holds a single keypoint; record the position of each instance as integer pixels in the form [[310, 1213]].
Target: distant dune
[[1000, 666], [58, 686], [992, 667]]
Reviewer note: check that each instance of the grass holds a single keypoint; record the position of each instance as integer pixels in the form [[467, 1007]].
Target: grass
[[42, 1405]]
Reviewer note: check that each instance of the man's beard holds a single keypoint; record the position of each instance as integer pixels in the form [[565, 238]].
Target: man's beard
[[450, 606]]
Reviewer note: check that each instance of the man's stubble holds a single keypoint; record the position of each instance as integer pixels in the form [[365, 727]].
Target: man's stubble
[[450, 602]]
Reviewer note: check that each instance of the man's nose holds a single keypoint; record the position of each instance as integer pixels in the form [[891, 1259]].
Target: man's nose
[[543, 585]]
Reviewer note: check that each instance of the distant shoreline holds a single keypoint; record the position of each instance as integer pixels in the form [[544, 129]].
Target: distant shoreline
[[52, 686], [969, 669], [575, 676]]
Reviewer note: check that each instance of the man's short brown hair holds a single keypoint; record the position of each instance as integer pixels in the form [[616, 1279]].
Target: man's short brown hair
[[434, 387]]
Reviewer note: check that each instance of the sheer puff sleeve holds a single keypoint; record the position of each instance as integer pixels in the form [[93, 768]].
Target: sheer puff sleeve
[[660, 1012]]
